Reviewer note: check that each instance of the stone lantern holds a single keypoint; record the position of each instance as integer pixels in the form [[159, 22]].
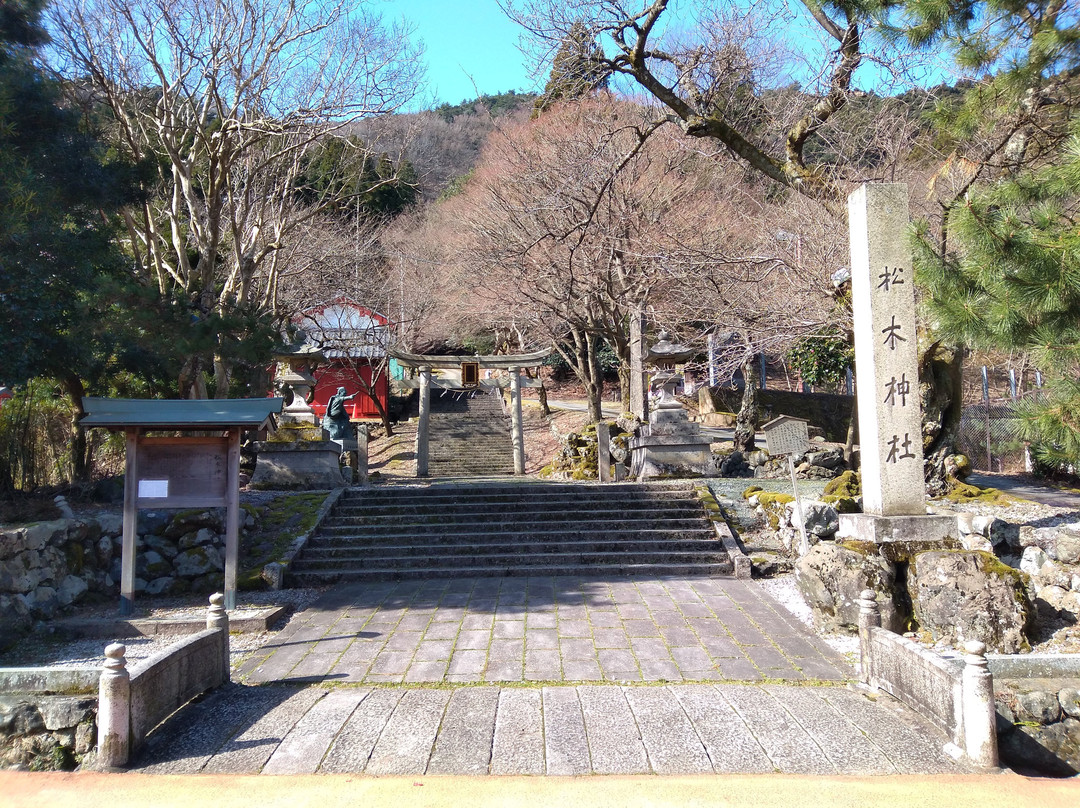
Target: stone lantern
[[295, 365], [670, 443]]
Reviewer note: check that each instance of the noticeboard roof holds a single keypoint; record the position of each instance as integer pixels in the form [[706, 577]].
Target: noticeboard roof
[[253, 413]]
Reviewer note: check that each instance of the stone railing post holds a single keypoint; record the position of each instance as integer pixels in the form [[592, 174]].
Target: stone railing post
[[869, 618], [217, 618], [517, 434], [362, 455], [980, 715], [114, 710], [422, 423]]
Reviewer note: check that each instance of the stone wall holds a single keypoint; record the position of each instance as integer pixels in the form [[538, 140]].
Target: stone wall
[[1039, 727], [48, 718], [47, 566], [828, 412]]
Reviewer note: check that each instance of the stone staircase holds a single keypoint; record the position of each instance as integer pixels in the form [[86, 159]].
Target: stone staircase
[[469, 436], [512, 529]]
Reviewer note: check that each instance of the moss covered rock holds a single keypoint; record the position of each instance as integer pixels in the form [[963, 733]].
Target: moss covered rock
[[832, 577], [848, 484], [960, 595]]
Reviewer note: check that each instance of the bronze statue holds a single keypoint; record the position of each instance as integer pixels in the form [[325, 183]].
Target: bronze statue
[[336, 420]]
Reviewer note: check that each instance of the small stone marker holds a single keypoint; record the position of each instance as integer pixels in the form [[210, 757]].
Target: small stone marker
[[790, 436]]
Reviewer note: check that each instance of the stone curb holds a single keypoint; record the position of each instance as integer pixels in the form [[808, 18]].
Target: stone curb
[[740, 561], [274, 572]]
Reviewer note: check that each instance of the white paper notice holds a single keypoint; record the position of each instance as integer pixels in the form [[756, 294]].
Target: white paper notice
[[153, 489]]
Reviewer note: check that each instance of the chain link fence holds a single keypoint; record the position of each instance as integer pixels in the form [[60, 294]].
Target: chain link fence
[[988, 438]]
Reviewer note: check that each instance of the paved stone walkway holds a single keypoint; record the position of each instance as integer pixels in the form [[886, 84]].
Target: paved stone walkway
[[547, 629], [556, 676], [553, 730]]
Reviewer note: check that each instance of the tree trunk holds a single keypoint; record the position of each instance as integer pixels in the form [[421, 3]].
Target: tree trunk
[[80, 463], [545, 410], [942, 402], [746, 421], [853, 423]]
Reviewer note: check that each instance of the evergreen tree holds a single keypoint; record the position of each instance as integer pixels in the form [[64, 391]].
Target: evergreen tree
[[577, 70], [1014, 284]]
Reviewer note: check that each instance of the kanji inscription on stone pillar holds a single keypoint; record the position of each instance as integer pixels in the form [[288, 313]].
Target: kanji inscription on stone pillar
[[886, 356]]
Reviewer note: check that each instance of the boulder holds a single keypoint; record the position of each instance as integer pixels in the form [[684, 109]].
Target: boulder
[[152, 565], [110, 524], [162, 546], [151, 522], [197, 538], [71, 589], [1068, 546], [1069, 700], [1038, 706], [960, 595], [198, 561], [832, 577], [1033, 560], [194, 521]]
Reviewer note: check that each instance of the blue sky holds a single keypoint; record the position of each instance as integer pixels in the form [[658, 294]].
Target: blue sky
[[471, 47]]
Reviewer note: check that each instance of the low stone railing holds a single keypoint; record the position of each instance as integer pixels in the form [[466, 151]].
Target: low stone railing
[[955, 696], [131, 703]]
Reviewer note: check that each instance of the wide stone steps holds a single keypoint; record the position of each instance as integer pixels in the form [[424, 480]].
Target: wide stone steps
[[599, 571], [479, 535], [566, 523], [475, 529], [344, 552], [515, 558], [469, 437]]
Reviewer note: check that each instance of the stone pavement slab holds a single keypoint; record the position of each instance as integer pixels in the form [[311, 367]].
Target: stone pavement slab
[[553, 730], [546, 629]]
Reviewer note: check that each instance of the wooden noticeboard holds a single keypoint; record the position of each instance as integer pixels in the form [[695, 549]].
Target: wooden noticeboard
[[183, 472]]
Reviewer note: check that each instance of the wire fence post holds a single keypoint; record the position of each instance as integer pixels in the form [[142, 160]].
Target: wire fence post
[[986, 403]]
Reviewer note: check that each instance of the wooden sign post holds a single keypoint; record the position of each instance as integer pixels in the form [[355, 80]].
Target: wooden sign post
[[181, 471]]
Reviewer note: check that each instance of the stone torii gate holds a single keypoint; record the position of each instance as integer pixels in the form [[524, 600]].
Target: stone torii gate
[[470, 380]]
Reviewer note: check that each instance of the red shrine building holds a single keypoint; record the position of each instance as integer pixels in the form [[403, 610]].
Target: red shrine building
[[353, 339]]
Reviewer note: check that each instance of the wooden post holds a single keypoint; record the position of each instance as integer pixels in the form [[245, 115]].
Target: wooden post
[[517, 429], [232, 518], [131, 515], [422, 425], [639, 398], [603, 451]]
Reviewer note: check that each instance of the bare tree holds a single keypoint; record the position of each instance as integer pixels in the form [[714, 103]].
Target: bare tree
[[709, 67], [223, 99]]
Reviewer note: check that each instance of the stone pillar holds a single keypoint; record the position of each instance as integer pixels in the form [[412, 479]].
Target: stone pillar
[[639, 398], [887, 375], [362, 455], [603, 451], [114, 710], [886, 354], [217, 618], [980, 714], [422, 425], [517, 434], [869, 618]]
